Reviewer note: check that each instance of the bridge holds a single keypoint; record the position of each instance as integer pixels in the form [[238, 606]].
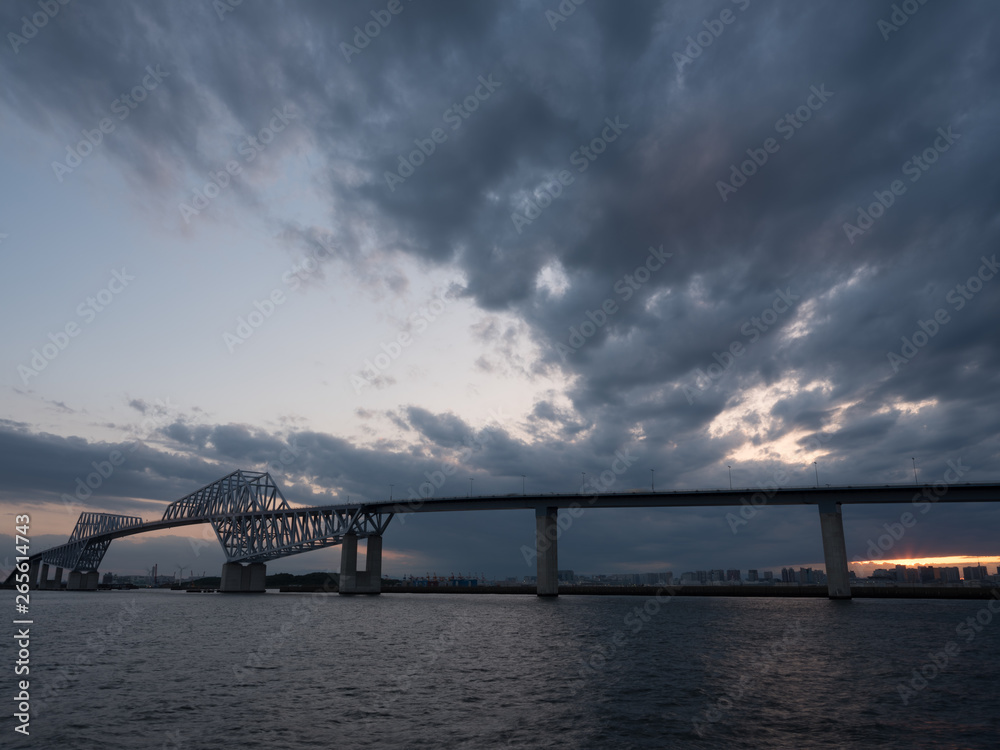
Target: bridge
[[254, 524]]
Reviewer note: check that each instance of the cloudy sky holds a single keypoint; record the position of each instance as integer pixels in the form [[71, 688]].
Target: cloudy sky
[[354, 243]]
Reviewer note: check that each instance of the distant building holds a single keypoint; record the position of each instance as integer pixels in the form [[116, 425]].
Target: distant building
[[950, 575], [751, 575], [806, 575], [974, 573], [733, 575], [768, 575], [565, 576], [718, 575], [702, 576], [109, 578]]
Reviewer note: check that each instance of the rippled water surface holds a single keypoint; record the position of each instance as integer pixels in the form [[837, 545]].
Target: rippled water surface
[[157, 669]]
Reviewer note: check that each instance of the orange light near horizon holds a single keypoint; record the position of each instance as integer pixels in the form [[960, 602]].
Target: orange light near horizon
[[950, 560]]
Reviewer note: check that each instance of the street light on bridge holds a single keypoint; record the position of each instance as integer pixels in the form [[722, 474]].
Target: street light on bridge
[[730, 475], [652, 480], [390, 492], [817, 473], [522, 484], [470, 486]]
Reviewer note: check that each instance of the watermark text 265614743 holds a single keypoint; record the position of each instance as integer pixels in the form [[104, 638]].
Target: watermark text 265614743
[[22, 635]]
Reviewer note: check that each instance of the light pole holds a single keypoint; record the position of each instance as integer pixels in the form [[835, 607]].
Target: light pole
[[652, 480], [730, 475], [470, 486], [583, 479], [522, 484], [390, 492], [817, 473], [914, 469]]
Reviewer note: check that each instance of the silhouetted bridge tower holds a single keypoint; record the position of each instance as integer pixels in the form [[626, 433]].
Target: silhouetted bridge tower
[[254, 523]]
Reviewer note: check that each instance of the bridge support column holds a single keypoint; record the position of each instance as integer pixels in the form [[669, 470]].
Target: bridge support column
[[349, 564], [43, 582], [546, 556], [373, 563], [831, 522], [33, 573], [232, 578], [90, 581], [258, 577], [75, 579], [367, 581], [57, 581]]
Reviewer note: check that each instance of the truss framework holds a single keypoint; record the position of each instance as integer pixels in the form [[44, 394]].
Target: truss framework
[[259, 537], [250, 516], [239, 492]]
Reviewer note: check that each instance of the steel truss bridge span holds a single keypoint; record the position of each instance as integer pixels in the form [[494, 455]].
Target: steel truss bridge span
[[255, 524], [251, 519]]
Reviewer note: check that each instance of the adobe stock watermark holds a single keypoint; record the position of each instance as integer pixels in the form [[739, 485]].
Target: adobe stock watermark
[[914, 167], [958, 296], [250, 148], [621, 463], [247, 325], [936, 663], [752, 329], [713, 30], [222, 7], [159, 414], [123, 107], [551, 188], [635, 621], [455, 115], [749, 508], [901, 13], [363, 37], [437, 479], [286, 457], [103, 640], [87, 310], [922, 502], [420, 320], [562, 12], [299, 615], [787, 126], [766, 660], [625, 288], [48, 9]]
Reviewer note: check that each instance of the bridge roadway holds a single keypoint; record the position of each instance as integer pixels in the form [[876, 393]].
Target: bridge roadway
[[253, 531]]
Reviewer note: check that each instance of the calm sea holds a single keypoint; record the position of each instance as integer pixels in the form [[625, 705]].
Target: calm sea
[[157, 669]]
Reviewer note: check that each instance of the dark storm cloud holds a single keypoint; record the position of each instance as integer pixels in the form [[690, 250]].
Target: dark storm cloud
[[847, 108]]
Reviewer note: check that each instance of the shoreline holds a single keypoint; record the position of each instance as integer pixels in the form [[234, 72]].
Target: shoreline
[[814, 591]]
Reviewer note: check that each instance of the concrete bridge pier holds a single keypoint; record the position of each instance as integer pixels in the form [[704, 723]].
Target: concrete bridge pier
[[353, 581], [243, 579], [75, 580], [546, 554], [43, 582], [831, 522], [33, 569], [90, 581]]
